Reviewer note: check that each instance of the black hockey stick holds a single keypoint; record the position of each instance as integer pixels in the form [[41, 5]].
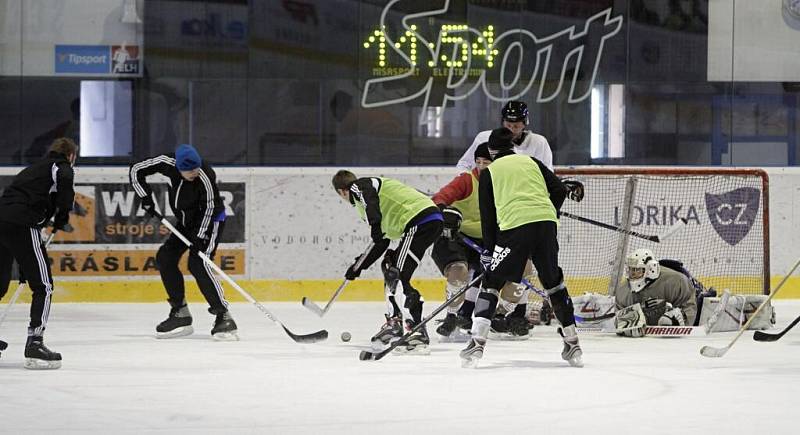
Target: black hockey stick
[[306, 338], [366, 355], [656, 239], [308, 303], [763, 336]]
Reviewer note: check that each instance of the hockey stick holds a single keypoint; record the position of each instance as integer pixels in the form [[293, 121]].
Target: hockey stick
[[653, 238], [17, 292], [308, 303], [764, 336], [300, 338], [366, 355], [718, 352]]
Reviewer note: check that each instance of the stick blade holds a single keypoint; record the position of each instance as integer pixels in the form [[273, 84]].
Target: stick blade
[[714, 352], [3, 345], [314, 337], [763, 336], [314, 308]]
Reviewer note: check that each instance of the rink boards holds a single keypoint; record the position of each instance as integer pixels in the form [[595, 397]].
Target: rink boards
[[287, 235]]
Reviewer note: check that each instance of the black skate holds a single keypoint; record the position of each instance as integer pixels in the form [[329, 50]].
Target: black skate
[[572, 352], [39, 357], [448, 325], [500, 330], [472, 353], [390, 332], [224, 328], [416, 343], [178, 324]]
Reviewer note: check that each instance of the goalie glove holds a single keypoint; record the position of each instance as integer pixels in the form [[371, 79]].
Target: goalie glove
[[575, 188], [630, 321], [452, 223], [672, 317], [653, 310]]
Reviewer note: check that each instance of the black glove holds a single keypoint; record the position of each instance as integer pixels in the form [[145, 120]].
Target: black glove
[[486, 260], [452, 223], [61, 221], [149, 206], [353, 271], [197, 245], [575, 188], [653, 310]]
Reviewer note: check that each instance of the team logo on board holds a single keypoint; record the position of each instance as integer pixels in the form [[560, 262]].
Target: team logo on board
[[733, 213]]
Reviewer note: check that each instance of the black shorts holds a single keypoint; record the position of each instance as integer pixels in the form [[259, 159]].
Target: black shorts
[[536, 241], [446, 252]]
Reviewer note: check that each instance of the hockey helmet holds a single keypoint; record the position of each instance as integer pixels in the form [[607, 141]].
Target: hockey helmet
[[641, 268], [515, 111]]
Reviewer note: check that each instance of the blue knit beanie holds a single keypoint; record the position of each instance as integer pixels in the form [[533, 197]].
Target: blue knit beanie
[[187, 158]]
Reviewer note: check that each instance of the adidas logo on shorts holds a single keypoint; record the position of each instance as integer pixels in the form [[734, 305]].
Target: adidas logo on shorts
[[498, 256]]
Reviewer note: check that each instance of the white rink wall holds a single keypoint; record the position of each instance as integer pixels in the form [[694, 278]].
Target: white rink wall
[[288, 224]]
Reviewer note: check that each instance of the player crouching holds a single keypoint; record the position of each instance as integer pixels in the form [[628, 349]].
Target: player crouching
[[394, 211], [653, 295]]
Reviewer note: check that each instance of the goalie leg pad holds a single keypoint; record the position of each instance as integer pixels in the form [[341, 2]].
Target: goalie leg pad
[[630, 321]]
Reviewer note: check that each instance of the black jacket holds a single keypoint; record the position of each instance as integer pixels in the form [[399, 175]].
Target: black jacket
[[196, 203], [41, 191]]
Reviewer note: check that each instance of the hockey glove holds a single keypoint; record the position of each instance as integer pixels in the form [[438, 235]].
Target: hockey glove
[[672, 317], [630, 321], [575, 188], [653, 310], [486, 260], [149, 206], [61, 222], [198, 244], [452, 223], [353, 272]]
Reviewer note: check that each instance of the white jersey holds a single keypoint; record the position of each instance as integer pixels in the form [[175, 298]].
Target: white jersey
[[534, 145]]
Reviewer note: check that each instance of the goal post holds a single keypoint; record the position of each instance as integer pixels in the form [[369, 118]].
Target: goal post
[[714, 220]]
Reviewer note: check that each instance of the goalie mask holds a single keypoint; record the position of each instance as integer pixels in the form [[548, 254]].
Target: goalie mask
[[641, 269]]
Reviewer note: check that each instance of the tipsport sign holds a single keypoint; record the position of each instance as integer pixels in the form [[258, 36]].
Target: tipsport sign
[[453, 61]]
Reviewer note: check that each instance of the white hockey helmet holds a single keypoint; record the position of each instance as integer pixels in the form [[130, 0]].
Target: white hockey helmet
[[641, 268]]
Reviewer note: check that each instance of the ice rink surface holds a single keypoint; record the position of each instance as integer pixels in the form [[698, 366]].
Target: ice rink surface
[[117, 378]]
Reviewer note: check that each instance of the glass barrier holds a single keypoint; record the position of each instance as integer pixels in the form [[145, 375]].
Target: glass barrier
[[401, 82]]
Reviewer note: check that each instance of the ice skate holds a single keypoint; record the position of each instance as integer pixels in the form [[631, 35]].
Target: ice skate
[[572, 352], [472, 353], [459, 332], [224, 328], [416, 343], [178, 324], [390, 332], [519, 328], [39, 357], [447, 326]]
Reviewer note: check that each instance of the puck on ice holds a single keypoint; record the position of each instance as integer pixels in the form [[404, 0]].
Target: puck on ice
[[346, 336]]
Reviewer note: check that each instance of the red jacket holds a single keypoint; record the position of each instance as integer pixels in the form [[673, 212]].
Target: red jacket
[[457, 189]]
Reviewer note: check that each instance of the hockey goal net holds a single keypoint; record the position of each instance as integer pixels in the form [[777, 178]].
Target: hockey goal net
[[715, 221]]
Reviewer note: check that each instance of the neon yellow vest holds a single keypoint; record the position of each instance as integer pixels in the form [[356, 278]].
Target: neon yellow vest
[[520, 193], [470, 211], [398, 204]]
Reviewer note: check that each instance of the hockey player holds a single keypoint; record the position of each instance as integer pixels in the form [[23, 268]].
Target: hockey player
[[41, 191], [195, 201], [514, 116], [666, 296], [394, 211], [458, 201], [519, 199]]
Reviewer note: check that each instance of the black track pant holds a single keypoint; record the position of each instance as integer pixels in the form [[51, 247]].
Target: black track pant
[[167, 260], [407, 256], [25, 245]]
